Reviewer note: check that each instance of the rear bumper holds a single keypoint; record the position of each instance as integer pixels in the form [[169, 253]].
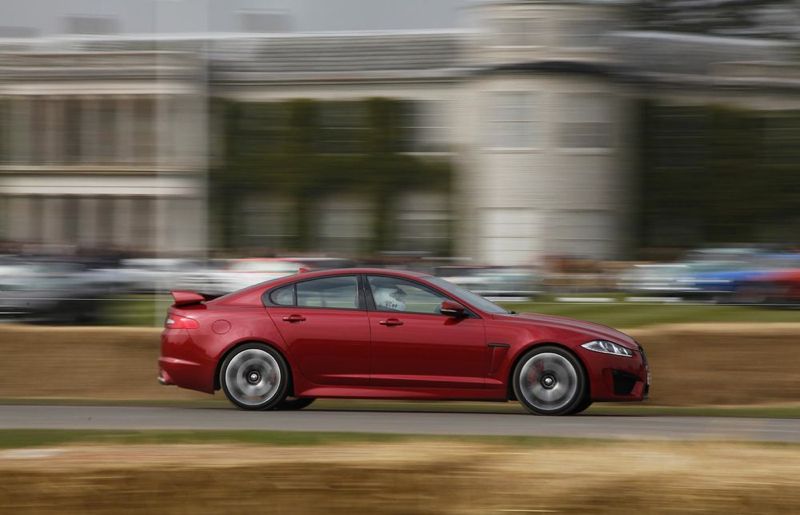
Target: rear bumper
[[182, 363]]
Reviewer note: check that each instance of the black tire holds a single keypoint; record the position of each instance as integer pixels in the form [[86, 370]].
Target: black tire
[[550, 380], [254, 377], [293, 403], [583, 406]]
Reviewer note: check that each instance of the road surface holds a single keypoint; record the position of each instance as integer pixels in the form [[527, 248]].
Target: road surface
[[489, 424]]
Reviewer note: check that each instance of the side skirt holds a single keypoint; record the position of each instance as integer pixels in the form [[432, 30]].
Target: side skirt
[[461, 394]]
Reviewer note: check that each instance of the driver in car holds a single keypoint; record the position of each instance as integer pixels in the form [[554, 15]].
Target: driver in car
[[390, 299]]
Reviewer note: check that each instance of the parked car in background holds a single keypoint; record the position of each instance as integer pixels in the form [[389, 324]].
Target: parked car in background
[[155, 275], [777, 288], [240, 273], [743, 277], [46, 290], [778, 283], [658, 279]]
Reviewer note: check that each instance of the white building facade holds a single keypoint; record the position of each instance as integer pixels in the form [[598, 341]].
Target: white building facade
[[107, 144]]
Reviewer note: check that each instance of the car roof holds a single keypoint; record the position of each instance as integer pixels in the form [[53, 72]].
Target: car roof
[[249, 294], [352, 271]]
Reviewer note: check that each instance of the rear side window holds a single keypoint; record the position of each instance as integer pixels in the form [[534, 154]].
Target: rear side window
[[283, 296], [329, 292]]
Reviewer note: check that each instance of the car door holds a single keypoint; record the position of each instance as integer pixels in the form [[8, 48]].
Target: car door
[[325, 326], [413, 345]]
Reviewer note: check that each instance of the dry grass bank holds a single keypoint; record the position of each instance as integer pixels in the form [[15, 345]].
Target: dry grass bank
[[726, 364], [404, 478], [693, 364]]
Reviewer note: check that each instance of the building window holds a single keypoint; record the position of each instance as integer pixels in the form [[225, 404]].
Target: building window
[[425, 126], [510, 236], [517, 32], [342, 127], [585, 121], [345, 224], [422, 223], [513, 119]]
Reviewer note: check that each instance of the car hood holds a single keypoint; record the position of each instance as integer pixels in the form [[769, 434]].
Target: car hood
[[591, 329]]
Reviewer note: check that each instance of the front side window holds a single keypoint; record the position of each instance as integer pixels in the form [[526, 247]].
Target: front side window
[[329, 292], [472, 298], [394, 294]]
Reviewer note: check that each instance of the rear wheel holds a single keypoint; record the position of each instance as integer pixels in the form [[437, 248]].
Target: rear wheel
[[293, 403], [254, 377], [549, 380]]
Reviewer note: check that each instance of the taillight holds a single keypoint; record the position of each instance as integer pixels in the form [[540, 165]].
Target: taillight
[[178, 322]]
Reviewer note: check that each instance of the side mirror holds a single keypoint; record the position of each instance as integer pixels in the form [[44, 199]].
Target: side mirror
[[452, 309]]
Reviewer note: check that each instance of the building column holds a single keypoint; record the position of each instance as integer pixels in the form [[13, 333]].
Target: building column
[[52, 220], [20, 137], [123, 222], [125, 130], [53, 130], [89, 117], [87, 222], [162, 224]]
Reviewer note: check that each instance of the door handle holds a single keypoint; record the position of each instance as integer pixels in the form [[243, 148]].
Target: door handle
[[294, 318], [391, 322]]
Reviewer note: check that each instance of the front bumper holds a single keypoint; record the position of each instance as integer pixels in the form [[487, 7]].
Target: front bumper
[[618, 378]]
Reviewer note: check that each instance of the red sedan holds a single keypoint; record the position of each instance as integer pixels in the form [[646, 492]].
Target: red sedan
[[383, 334]]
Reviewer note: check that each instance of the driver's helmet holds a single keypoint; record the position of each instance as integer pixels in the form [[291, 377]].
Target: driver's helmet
[[390, 298]]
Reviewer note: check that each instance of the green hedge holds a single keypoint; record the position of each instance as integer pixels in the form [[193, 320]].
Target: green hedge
[[713, 174], [287, 149]]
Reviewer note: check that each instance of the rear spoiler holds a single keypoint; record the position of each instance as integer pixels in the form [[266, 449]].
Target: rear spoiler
[[188, 298]]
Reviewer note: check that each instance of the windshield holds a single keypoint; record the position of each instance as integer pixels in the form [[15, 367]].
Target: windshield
[[471, 298]]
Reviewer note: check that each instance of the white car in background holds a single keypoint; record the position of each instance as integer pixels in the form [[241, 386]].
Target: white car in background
[[503, 283], [240, 273]]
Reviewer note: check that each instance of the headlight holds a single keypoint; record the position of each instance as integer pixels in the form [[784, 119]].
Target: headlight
[[607, 347]]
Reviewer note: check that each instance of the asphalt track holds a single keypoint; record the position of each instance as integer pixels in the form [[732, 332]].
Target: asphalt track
[[484, 424]]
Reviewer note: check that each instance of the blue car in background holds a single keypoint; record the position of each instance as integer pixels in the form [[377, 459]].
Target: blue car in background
[[729, 281], [725, 275]]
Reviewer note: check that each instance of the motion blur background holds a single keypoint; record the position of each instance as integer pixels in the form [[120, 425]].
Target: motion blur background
[[632, 162], [632, 151]]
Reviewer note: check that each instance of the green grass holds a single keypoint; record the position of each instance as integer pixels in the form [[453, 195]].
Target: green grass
[[18, 438], [25, 438], [135, 310], [630, 314]]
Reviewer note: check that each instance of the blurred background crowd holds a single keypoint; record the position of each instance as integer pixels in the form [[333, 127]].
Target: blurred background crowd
[[626, 151]]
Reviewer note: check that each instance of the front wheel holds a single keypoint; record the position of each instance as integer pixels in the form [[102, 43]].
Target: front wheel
[[254, 377], [549, 380]]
